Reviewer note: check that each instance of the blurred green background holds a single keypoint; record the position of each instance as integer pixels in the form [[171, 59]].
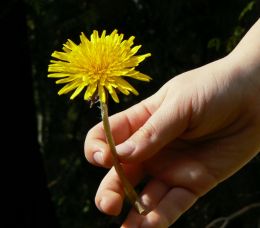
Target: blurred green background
[[181, 35]]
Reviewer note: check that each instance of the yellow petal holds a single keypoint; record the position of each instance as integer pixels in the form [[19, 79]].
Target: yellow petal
[[58, 75], [103, 34], [135, 49], [139, 76], [101, 93], [123, 90], [58, 67], [113, 33], [90, 90], [60, 55], [135, 60], [67, 88], [77, 91], [120, 72], [125, 85], [112, 92], [120, 38], [65, 80], [84, 39], [130, 41], [94, 36], [70, 45]]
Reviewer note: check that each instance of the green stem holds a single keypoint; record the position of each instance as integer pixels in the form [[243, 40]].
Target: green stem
[[128, 188]]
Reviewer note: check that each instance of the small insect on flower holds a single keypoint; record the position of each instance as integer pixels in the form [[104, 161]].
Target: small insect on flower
[[97, 65]]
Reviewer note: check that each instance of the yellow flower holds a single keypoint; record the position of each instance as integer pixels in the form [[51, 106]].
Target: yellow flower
[[98, 64]]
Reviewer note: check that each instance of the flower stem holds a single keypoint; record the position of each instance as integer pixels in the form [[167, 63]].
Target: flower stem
[[128, 188]]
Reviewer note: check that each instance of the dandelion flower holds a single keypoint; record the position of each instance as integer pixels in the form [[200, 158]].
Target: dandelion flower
[[97, 65]]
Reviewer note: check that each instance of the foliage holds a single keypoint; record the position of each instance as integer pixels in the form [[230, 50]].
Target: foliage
[[180, 35], [238, 31]]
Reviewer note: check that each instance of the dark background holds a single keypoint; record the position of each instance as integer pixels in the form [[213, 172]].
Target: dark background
[[47, 180]]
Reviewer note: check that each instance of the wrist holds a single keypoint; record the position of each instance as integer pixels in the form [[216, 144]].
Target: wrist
[[244, 60]]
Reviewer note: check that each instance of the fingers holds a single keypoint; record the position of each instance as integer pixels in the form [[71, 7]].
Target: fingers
[[154, 191], [165, 125], [168, 209], [110, 195], [171, 194], [174, 190], [140, 131], [123, 125]]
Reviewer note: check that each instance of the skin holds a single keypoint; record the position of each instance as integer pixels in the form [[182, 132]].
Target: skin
[[199, 129]]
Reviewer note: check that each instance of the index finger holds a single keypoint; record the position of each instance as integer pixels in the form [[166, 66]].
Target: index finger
[[123, 125]]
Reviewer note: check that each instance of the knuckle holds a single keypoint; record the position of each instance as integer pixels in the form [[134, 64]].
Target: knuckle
[[148, 132]]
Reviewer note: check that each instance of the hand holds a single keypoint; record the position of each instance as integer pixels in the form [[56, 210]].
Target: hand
[[196, 131]]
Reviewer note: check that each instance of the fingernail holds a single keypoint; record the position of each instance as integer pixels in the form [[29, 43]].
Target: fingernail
[[146, 201], [125, 149], [98, 157]]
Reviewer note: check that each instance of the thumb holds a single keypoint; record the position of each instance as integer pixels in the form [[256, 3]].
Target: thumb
[[165, 124]]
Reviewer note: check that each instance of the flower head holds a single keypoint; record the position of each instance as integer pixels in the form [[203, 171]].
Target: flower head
[[97, 65]]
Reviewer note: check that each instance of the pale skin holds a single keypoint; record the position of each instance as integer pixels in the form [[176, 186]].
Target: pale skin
[[199, 129]]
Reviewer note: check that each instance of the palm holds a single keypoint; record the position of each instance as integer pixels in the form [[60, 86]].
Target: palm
[[212, 147]]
